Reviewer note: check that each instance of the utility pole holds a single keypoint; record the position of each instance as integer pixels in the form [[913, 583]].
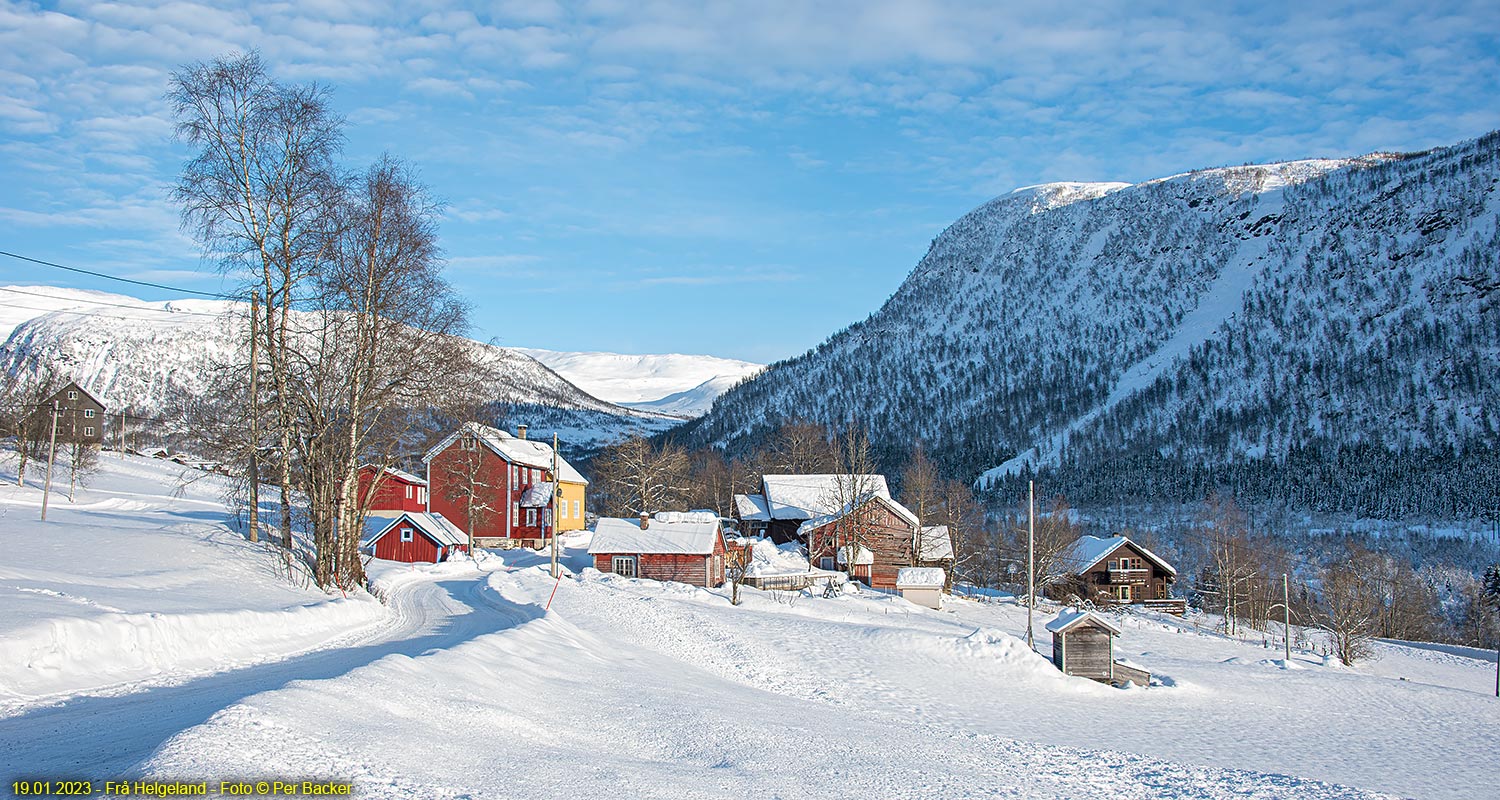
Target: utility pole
[[556, 490], [51, 454], [1030, 560], [254, 422], [1286, 611]]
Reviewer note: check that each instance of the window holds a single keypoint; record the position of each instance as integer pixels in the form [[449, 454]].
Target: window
[[515, 514], [468, 443], [421, 495], [88, 413], [530, 517], [72, 395], [408, 492], [515, 475], [826, 562], [576, 515], [1112, 565], [1121, 592], [89, 431], [623, 566], [406, 534]]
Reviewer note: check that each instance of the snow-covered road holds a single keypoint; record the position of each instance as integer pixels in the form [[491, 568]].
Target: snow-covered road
[[112, 735]]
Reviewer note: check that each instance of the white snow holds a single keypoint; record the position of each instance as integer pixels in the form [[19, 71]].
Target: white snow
[[815, 495], [635, 688], [437, 527], [526, 452], [920, 576], [131, 583], [1086, 553], [1069, 618], [684, 534]]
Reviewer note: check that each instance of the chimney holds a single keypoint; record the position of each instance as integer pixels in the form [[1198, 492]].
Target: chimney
[[520, 431], [645, 520]]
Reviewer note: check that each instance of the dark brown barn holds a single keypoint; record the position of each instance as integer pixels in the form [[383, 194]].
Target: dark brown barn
[[787, 501], [877, 535], [80, 415], [1116, 571], [672, 546]]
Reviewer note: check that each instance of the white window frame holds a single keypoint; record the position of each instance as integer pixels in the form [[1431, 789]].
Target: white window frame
[[531, 518], [630, 563], [826, 562], [409, 489], [88, 413], [72, 395], [576, 513], [88, 431], [407, 534]]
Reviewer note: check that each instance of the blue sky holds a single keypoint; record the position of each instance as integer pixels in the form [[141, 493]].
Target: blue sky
[[740, 179]]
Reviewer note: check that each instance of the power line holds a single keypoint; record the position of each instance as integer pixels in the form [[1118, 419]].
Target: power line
[[103, 314], [107, 276]]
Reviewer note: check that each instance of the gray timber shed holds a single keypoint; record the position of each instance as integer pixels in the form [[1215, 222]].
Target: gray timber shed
[[1083, 645]]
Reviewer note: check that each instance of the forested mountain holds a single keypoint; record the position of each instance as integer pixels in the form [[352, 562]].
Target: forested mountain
[[1320, 331]]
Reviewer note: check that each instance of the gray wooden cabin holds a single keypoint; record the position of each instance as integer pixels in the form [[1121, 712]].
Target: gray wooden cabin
[[1083, 645]]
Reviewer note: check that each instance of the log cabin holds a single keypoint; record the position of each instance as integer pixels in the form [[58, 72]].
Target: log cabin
[[1116, 571]]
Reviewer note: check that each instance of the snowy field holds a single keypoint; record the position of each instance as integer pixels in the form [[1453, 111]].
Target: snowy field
[[467, 687]]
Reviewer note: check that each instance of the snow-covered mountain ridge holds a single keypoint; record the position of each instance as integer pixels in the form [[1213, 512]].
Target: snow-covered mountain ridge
[[670, 383], [140, 355], [1197, 321]]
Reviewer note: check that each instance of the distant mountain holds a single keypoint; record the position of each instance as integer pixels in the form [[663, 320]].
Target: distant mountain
[[683, 385], [137, 354], [1324, 332]]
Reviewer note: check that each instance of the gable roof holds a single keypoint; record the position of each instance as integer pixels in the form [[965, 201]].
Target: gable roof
[[669, 532], [73, 385], [899, 510], [431, 524], [808, 496], [1088, 551], [921, 576], [936, 543], [401, 475], [751, 507], [1070, 618], [526, 452]]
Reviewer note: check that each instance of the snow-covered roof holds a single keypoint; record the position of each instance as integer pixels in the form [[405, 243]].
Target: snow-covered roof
[[920, 576], [399, 474], [1088, 551], [936, 543], [668, 533], [751, 507], [526, 452], [901, 511], [434, 525], [1070, 618], [808, 496], [538, 496]]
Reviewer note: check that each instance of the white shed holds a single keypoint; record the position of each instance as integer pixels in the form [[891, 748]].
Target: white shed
[[922, 585]]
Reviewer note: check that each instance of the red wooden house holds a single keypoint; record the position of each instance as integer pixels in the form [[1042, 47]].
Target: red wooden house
[[395, 490], [412, 536], [499, 487], [672, 546], [872, 540]]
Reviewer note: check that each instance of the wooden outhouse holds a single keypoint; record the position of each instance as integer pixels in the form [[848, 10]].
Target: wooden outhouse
[[922, 585], [1083, 645]]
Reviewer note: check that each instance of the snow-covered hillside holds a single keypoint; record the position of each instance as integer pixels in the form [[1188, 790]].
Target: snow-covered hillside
[[685, 385], [143, 638], [138, 355], [1125, 336]]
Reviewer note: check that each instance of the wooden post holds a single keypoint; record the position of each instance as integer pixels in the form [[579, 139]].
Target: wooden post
[[1286, 611], [1030, 560], [120, 435], [556, 490], [254, 422], [51, 455]]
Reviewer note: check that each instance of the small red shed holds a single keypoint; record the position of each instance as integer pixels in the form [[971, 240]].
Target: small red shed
[[687, 547], [413, 536], [395, 490]]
